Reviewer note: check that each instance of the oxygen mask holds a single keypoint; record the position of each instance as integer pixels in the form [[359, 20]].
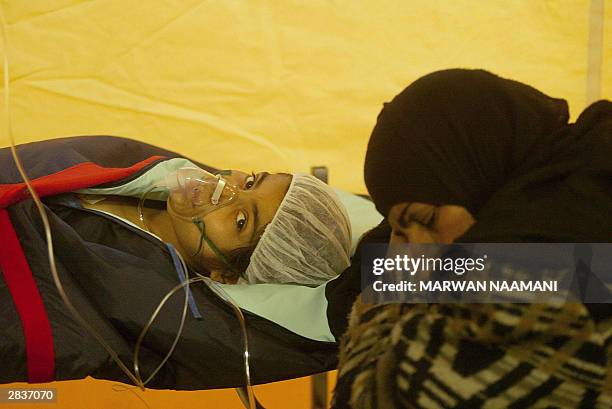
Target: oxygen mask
[[194, 193]]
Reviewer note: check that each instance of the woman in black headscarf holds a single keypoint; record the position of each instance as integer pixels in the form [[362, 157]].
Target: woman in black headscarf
[[467, 156], [492, 145]]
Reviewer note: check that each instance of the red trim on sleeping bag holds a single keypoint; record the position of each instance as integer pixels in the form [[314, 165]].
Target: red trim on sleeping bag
[[16, 271], [35, 323], [81, 176]]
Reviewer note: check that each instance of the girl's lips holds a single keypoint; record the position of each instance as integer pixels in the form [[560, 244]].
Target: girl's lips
[[195, 192], [179, 204], [189, 198], [194, 197]]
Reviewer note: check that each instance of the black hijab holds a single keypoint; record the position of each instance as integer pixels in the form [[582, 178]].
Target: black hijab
[[502, 149]]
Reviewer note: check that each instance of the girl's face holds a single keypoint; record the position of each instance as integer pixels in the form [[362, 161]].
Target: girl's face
[[236, 225], [426, 223]]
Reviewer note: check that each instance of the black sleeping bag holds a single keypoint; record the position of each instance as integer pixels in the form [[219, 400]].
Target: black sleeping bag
[[115, 275]]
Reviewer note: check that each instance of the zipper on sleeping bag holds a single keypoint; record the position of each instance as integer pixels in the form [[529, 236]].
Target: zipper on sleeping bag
[[70, 201]]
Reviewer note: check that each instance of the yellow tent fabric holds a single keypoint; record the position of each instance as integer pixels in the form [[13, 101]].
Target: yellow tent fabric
[[273, 85], [266, 84]]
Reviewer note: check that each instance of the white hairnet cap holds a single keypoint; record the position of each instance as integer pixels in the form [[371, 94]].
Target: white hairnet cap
[[309, 239]]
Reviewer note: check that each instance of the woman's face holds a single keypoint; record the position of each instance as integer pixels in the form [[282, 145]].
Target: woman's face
[[426, 223], [235, 225]]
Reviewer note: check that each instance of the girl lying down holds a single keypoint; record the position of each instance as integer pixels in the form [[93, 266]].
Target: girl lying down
[[116, 262], [262, 228]]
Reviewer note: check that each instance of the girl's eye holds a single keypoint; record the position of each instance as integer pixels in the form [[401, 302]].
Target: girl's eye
[[249, 181], [240, 220]]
